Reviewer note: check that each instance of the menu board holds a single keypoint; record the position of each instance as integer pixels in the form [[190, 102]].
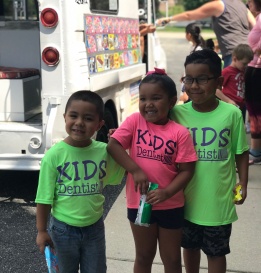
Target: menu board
[[111, 42]]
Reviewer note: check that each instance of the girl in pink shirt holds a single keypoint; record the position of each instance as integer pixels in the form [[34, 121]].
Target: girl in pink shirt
[[160, 151]]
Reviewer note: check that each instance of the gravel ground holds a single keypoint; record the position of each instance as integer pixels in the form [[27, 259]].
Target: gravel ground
[[18, 251]]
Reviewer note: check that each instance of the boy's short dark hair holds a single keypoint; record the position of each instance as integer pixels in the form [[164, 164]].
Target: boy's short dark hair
[[208, 57], [164, 81], [88, 96], [243, 51]]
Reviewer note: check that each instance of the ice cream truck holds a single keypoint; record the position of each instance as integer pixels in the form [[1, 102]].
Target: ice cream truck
[[52, 48]]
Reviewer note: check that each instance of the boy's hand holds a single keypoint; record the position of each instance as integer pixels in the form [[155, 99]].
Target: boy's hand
[[156, 196], [43, 239], [243, 193], [141, 181]]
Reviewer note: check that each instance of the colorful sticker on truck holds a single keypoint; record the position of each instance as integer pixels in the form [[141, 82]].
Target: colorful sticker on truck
[[111, 43]]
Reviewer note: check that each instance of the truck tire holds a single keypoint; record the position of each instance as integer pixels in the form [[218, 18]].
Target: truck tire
[[102, 134]]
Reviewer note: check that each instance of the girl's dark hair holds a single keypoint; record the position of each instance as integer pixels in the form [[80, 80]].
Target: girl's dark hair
[[88, 96], [167, 84], [208, 57], [195, 31]]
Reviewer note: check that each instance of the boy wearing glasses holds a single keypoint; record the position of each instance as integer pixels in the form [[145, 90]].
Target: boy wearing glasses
[[219, 137]]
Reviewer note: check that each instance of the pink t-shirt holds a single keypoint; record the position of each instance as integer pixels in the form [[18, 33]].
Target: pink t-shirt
[[254, 40], [157, 149]]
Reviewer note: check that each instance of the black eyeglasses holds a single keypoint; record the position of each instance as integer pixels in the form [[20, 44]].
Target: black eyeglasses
[[199, 80]]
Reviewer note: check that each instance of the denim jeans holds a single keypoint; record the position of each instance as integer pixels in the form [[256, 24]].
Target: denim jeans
[[227, 60], [79, 246]]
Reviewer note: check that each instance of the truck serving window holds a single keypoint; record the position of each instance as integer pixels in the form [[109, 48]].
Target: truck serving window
[[104, 6], [19, 10]]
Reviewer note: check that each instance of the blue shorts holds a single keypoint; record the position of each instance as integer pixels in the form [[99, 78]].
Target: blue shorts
[[170, 218], [213, 240]]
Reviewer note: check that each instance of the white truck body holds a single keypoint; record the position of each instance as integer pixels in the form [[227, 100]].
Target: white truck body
[[31, 108]]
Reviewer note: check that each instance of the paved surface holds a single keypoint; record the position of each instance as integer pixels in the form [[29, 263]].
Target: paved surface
[[245, 253], [18, 250]]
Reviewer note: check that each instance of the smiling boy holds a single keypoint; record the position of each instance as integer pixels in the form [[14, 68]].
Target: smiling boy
[[219, 138], [72, 175]]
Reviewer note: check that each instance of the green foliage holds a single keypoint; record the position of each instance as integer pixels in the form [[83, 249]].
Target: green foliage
[[193, 4], [206, 33], [176, 9]]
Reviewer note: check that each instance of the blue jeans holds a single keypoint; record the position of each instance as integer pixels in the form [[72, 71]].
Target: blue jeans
[[227, 60], [79, 246]]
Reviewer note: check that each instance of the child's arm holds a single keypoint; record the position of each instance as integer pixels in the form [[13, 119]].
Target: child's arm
[[224, 98], [186, 172], [115, 149], [43, 238], [242, 167]]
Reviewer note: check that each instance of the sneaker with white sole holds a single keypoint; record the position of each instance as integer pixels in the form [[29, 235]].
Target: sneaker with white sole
[[256, 159]]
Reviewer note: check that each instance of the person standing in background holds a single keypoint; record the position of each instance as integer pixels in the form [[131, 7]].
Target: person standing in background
[[233, 89], [225, 14], [193, 36], [144, 29], [253, 83]]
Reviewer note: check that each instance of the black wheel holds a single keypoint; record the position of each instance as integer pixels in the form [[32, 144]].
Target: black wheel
[[102, 134]]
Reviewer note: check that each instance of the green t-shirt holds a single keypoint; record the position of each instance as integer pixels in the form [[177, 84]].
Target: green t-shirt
[[217, 135], [71, 181]]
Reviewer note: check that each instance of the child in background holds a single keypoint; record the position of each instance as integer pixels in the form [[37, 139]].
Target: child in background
[[233, 89], [210, 44], [160, 151], [193, 36], [72, 175], [219, 137]]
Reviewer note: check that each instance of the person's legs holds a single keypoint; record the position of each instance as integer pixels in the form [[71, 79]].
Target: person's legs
[[253, 102], [255, 130], [217, 264], [216, 246], [145, 239], [93, 257], [170, 249], [191, 259], [170, 223], [67, 242], [192, 239]]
